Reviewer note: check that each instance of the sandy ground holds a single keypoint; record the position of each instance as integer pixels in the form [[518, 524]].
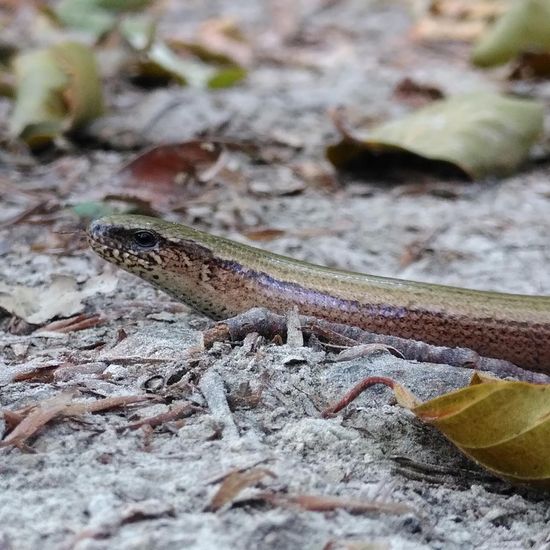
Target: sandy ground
[[92, 483]]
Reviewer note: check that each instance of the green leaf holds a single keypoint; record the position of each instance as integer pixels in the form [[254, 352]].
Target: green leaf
[[139, 31], [525, 27], [94, 209], [96, 17], [224, 78], [158, 61], [85, 15], [123, 5], [57, 89], [480, 133]]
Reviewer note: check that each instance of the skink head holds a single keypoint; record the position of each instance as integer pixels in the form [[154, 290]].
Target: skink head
[[126, 241], [145, 246], [175, 258]]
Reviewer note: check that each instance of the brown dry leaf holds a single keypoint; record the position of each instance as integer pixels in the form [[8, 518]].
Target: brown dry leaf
[[63, 298], [503, 425], [234, 484], [167, 175], [28, 421], [456, 20], [38, 374], [39, 415], [416, 94], [106, 403], [219, 40], [175, 413]]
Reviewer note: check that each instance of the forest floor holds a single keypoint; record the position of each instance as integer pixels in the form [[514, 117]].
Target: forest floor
[[93, 483]]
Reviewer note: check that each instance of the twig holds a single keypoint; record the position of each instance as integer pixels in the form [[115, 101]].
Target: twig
[[356, 391]]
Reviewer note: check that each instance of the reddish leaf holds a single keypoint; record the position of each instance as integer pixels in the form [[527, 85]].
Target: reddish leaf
[[169, 174]]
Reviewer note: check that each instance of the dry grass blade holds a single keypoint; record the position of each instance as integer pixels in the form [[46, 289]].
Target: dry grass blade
[[322, 503], [107, 403], [177, 412]]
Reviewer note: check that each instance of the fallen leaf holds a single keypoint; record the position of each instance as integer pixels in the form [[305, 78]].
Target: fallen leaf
[[57, 90], [105, 404], [91, 210], [95, 17], [155, 60], [456, 20], [169, 174], [234, 484], [178, 411], [84, 15], [62, 298], [503, 425], [220, 41], [28, 421], [82, 95], [39, 110], [36, 419], [525, 27], [479, 133], [73, 324]]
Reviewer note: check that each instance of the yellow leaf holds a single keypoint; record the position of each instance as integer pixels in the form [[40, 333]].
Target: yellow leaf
[[82, 93], [57, 89], [39, 109], [503, 425]]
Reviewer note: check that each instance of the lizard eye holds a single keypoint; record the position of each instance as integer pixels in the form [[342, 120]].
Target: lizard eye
[[145, 239]]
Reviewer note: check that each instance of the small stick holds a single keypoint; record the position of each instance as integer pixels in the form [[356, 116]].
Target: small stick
[[356, 391]]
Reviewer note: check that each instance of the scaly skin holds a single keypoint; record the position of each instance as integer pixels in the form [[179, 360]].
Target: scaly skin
[[222, 278]]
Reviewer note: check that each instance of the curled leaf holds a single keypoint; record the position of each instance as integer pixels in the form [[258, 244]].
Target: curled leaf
[[234, 483], [57, 89], [525, 27], [169, 174], [39, 110], [503, 425], [479, 133], [155, 60], [62, 298], [95, 17]]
